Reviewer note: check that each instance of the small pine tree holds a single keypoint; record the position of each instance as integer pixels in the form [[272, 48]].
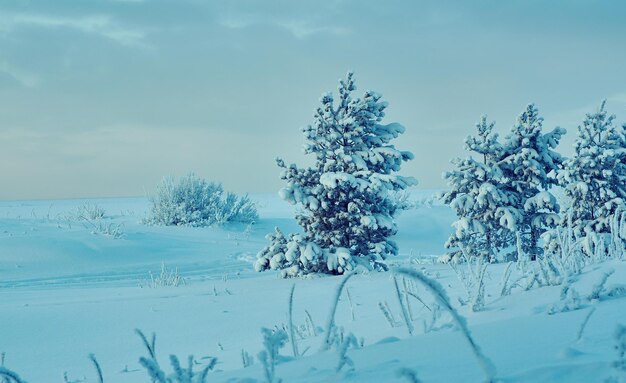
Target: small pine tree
[[529, 167], [476, 196], [594, 179], [346, 198]]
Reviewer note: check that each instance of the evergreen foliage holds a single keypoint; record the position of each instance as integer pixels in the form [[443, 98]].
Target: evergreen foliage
[[477, 197], [594, 179], [529, 166], [346, 197], [500, 194]]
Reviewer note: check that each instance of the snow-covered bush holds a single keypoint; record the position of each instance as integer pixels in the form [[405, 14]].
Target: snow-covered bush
[[594, 179], [193, 201], [347, 207]]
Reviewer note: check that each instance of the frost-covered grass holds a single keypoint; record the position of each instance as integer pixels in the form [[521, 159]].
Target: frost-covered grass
[[179, 374], [167, 277], [9, 376], [88, 211]]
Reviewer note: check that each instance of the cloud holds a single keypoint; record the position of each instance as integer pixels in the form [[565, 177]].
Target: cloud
[[298, 28], [302, 29], [22, 77], [618, 98], [100, 25], [82, 163], [615, 104]]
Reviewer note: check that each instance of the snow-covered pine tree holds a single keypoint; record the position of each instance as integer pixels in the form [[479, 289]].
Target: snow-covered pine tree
[[529, 167], [594, 179], [347, 209], [476, 196]]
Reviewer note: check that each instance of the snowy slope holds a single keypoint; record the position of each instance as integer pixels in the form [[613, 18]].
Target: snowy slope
[[67, 290]]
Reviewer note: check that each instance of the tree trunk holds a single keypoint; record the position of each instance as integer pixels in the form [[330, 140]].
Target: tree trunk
[[534, 239]]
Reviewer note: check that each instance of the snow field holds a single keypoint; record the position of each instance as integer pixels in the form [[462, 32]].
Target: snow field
[[66, 292]]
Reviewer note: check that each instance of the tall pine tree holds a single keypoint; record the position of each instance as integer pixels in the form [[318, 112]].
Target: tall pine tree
[[529, 165], [594, 179], [476, 196], [347, 206]]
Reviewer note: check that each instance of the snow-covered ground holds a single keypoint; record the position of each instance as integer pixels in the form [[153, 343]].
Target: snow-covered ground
[[68, 288]]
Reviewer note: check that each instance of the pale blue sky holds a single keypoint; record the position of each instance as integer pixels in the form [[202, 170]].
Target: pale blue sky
[[103, 97]]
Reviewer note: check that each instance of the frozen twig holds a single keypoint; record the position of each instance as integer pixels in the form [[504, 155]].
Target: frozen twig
[[442, 298], [331, 317]]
